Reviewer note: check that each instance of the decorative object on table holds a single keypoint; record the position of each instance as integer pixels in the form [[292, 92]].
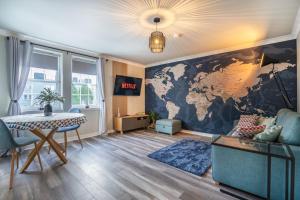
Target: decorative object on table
[[157, 39], [192, 156], [153, 116], [67, 129], [9, 142], [46, 97], [169, 126], [36, 123], [270, 134], [266, 60]]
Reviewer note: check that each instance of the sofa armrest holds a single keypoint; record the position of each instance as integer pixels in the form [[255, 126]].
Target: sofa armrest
[[296, 152]]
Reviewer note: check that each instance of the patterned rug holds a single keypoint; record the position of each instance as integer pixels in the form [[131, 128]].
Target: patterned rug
[[189, 155]]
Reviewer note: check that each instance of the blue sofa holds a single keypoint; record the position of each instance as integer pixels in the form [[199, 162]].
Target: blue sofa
[[248, 171]]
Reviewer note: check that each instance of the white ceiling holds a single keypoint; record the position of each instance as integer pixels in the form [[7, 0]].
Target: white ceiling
[[115, 27]]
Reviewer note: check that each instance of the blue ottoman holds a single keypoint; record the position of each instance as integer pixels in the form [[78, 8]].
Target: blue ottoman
[[168, 126]]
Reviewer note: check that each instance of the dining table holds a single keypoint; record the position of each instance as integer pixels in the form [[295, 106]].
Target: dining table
[[44, 127]]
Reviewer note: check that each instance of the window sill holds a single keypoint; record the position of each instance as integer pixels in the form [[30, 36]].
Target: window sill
[[92, 108]]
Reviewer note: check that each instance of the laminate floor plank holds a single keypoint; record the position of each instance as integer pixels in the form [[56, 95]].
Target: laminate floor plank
[[113, 167]]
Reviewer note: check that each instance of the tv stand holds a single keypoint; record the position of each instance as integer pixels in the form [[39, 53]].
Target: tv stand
[[131, 122]]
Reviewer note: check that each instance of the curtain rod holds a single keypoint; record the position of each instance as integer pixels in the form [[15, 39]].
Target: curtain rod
[[54, 48]]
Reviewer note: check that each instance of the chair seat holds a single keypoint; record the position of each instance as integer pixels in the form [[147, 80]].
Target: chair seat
[[67, 128], [25, 140]]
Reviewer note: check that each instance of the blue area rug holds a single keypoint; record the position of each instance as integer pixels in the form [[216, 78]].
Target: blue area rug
[[189, 155]]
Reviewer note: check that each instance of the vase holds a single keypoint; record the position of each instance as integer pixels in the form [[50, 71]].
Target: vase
[[48, 110]]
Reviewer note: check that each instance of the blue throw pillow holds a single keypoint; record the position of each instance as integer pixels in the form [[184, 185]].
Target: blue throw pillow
[[290, 121], [269, 134]]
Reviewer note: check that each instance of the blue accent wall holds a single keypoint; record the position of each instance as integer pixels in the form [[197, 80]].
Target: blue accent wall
[[208, 93]]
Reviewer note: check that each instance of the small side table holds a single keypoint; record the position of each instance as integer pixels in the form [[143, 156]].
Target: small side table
[[268, 149]]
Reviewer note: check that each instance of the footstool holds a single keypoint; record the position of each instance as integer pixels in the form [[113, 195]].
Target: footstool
[[168, 126]]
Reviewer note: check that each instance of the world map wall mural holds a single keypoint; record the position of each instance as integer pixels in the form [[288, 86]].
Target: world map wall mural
[[207, 94]]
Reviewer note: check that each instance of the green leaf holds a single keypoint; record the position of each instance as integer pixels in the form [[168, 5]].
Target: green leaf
[[47, 96]]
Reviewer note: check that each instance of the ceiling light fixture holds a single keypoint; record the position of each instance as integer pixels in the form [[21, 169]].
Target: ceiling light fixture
[[157, 39]]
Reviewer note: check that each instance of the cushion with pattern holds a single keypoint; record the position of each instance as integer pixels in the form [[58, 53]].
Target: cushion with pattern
[[249, 132], [247, 120]]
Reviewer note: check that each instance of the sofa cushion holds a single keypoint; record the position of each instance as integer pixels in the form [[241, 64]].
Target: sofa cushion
[[247, 120], [268, 121], [248, 132], [269, 134], [290, 121]]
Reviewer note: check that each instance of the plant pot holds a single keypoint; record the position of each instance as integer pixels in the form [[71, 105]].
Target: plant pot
[[48, 110]]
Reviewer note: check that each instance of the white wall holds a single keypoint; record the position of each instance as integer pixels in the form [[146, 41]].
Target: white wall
[[298, 72], [4, 94]]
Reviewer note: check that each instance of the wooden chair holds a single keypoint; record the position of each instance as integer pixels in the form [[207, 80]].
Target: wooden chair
[[7, 141], [67, 129]]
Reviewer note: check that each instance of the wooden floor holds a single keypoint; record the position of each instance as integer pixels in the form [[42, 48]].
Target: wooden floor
[[109, 167]]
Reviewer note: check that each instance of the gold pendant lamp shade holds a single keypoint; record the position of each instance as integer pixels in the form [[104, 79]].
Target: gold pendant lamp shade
[[157, 40]]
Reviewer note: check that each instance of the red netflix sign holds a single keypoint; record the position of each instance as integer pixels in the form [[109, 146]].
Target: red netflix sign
[[127, 86], [131, 86]]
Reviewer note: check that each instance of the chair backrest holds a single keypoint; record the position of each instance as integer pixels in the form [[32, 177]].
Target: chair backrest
[[75, 110], [6, 139]]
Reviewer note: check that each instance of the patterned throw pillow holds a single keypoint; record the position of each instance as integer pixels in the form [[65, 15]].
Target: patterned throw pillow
[[249, 132], [247, 120]]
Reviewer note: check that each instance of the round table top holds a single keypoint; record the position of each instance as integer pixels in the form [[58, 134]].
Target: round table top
[[39, 121]]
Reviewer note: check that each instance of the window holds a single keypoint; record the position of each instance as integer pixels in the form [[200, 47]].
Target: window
[[44, 73], [39, 76], [84, 82], [75, 79]]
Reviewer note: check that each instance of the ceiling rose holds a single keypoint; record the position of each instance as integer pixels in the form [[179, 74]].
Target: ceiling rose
[[167, 18]]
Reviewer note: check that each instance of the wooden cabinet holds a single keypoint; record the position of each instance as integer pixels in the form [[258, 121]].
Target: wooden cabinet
[[131, 122]]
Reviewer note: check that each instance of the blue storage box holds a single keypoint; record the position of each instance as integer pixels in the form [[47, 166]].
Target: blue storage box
[[168, 126]]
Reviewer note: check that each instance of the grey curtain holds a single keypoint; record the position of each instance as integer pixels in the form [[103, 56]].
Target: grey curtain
[[19, 65], [101, 95]]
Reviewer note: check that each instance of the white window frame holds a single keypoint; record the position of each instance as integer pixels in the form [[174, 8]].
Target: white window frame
[[89, 60], [59, 81]]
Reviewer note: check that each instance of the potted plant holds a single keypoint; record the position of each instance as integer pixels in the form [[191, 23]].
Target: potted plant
[[46, 97], [153, 116]]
